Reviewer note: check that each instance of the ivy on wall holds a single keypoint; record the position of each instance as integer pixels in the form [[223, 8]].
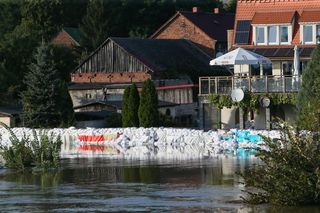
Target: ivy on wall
[[251, 100]]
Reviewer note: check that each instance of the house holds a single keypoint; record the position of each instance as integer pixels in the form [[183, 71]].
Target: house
[[173, 65], [271, 29], [11, 115], [209, 31], [68, 36]]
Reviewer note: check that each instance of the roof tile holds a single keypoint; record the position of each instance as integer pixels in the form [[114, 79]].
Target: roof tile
[[273, 18], [310, 16]]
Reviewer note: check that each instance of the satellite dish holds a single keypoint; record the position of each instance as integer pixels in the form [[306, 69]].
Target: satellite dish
[[219, 54], [264, 102], [237, 95]]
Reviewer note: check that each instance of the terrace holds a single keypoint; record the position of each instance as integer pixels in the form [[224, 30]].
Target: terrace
[[254, 84]]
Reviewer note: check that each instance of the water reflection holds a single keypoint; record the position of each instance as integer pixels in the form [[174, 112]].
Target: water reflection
[[134, 186]]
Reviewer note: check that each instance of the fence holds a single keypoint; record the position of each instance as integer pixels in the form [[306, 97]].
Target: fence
[[256, 84]]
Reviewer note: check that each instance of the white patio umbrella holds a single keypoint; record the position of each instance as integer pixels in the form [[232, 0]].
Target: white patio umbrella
[[240, 56], [296, 67]]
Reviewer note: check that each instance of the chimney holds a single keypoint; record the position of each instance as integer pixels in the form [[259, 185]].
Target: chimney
[[195, 9], [216, 10], [230, 34]]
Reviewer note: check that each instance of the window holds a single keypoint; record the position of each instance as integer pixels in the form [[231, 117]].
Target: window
[[284, 34], [307, 34], [287, 68], [260, 35], [318, 34], [272, 34]]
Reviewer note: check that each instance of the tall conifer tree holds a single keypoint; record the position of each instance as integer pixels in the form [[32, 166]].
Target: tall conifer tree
[[133, 106], [309, 94], [94, 26], [45, 97], [148, 110]]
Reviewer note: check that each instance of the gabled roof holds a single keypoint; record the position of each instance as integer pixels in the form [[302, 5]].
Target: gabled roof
[[177, 57], [165, 54], [310, 16], [273, 17], [74, 33], [213, 25]]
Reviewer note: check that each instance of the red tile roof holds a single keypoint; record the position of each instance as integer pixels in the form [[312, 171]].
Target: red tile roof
[[246, 9], [273, 18], [310, 16]]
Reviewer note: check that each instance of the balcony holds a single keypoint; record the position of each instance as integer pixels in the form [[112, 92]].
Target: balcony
[[255, 84]]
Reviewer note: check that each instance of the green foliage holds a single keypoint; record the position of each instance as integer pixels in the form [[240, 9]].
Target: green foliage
[[114, 120], [251, 100], [40, 153], [125, 107], [167, 121], [148, 110], [45, 99], [231, 6], [309, 95], [42, 17], [46, 149], [94, 28], [290, 170], [133, 106], [130, 107]]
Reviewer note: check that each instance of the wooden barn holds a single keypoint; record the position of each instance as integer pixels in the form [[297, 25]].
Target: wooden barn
[[173, 65]]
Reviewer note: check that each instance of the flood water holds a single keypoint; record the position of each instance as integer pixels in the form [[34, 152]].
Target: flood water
[[210, 185]]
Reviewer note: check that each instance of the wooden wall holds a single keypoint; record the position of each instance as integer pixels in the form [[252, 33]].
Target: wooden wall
[[112, 58]]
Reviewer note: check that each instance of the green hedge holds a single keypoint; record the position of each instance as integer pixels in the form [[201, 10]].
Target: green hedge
[[251, 100]]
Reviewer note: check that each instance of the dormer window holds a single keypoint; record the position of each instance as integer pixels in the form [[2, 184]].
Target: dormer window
[[272, 28], [307, 34], [260, 35], [309, 27], [272, 35], [284, 34]]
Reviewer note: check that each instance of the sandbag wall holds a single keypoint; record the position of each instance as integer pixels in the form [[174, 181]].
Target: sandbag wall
[[146, 143]]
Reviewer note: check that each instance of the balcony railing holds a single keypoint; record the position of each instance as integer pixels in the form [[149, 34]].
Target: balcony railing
[[255, 84]]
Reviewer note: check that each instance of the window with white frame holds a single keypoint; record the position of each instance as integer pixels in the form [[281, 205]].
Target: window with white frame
[[308, 34], [272, 34], [260, 35], [284, 34], [318, 34]]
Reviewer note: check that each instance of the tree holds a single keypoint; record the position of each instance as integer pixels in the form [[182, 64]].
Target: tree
[[130, 106], [289, 170], [148, 110], [42, 17], [133, 106], [309, 95], [94, 26], [44, 98], [231, 6]]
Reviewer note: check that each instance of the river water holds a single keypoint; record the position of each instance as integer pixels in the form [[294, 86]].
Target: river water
[[102, 185]]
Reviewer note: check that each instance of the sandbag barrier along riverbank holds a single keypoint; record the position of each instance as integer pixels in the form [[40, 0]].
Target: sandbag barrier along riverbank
[[144, 143]]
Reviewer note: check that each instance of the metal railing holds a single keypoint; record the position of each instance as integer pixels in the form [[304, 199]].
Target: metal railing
[[255, 84]]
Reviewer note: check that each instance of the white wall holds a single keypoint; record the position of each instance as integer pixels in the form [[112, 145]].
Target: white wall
[[228, 118]]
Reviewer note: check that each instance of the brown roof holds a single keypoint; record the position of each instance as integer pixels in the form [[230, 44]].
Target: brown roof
[[273, 18], [214, 25], [310, 16]]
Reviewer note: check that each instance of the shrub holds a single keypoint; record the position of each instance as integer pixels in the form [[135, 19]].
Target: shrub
[[40, 153], [148, 109], [290, 172]]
